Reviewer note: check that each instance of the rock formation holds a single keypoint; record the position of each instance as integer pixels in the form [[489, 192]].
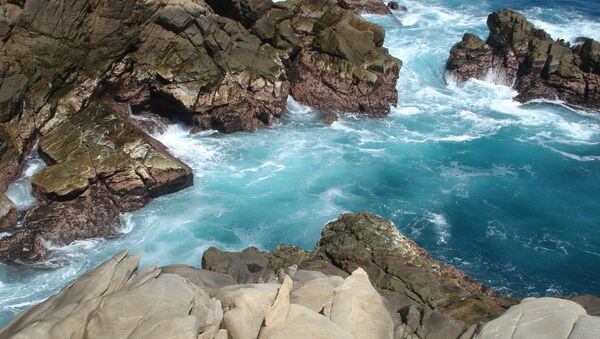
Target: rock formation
[[539, 67], [89, 78], [414, 283], [265, 298]]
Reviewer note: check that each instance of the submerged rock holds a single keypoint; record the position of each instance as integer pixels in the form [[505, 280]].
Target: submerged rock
[[540, 67]]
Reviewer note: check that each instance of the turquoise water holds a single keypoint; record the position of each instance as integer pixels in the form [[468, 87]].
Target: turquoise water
[[509, 193]]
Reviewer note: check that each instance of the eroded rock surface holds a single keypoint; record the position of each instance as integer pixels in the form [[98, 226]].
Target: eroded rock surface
[[539, 66]]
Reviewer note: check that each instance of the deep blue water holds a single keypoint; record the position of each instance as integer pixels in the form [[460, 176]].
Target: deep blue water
[[509, 193]]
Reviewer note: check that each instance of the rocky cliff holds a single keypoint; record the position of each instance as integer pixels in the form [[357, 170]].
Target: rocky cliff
[[290, 293], [89, 79], [539, 66]]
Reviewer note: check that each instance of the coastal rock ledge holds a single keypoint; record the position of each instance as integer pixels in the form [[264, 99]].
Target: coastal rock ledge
[[339, 290]]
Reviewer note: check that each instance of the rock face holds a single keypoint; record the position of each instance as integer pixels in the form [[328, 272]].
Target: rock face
[[337, 59], [539, 66], [399, 269], [543, 318], [8, 214], [365, 6]]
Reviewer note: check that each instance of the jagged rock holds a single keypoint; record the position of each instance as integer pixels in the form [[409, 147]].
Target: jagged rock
[[249, 266], [400, 269], [543, 318], [285, 319], [8, 214], [119, 300], [539, 66], [334, 55], [99, 145], [245, 11], [365, 6], [358, 308]]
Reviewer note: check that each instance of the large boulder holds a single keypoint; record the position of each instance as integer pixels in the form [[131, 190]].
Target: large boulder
[[539, 67], [8, 214], [543, 318]]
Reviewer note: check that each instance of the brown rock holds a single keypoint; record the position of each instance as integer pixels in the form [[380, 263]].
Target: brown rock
[[8, 214], [540, 67], [365, 6]]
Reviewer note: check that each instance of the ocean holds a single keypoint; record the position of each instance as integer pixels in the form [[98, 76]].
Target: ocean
[[507, 192]]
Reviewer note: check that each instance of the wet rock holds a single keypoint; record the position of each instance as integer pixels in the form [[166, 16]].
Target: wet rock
[[8, 214], [365, 6], [248, 266], [245, 11], [23, 247], [540, 67]]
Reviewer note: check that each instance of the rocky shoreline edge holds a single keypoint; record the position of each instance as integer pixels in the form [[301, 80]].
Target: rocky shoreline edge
[[364, 279]]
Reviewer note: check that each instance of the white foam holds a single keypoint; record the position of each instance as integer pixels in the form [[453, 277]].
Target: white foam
[[20, 191], [442, 227]]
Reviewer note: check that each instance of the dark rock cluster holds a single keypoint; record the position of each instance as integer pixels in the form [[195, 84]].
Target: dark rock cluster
[[539, 66], [89, 79]]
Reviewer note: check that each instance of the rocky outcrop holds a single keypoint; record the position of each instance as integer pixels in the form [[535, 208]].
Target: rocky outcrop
[[543, 318], [269, 296], [120, 300], [337, 59], [100, 165], [8, 214], [74, 74], [539, 67], [402, 271], [365, 6]]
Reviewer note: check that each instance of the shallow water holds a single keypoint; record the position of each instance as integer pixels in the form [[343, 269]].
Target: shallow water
[[506, 192]]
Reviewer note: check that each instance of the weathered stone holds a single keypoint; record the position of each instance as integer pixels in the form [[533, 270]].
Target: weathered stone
[[245, 308], [8, 214], [359, 309], [535, 318], [118, 300], [207, 280]]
